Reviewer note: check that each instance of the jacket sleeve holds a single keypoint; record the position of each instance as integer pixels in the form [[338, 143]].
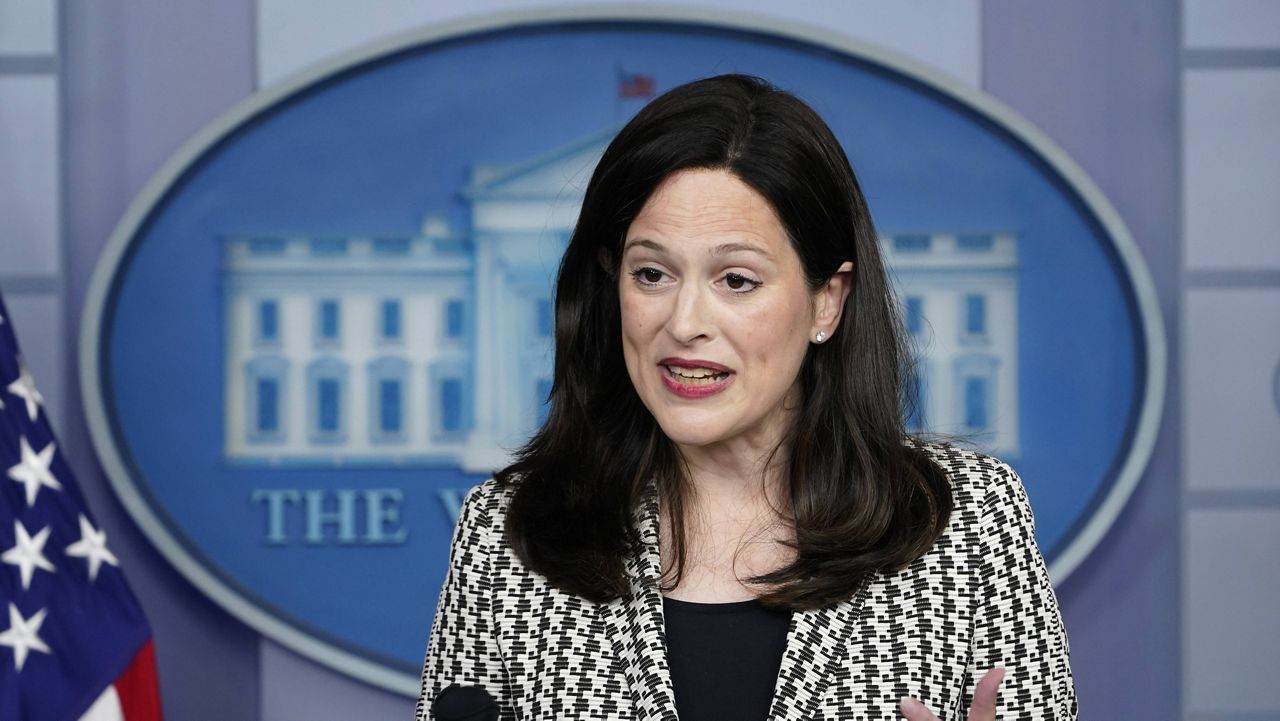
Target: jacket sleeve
[[1017, 623], [462, 648]]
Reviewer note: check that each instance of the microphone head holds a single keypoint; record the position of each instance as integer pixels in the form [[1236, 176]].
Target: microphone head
[[464, 703]]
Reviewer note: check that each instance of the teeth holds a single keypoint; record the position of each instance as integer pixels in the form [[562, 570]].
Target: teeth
[[693, 372], [695, 376]]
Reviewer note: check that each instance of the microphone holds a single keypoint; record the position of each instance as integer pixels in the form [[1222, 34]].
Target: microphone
[[464, 703]]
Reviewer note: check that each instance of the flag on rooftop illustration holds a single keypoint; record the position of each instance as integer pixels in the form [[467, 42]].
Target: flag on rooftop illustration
[[74, 644], [635, 85]]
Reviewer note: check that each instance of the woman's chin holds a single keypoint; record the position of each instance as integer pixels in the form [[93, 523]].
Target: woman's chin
[[693, 435]]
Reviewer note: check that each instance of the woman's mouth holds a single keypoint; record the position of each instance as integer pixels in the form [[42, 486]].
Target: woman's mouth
[[695, 379], [695, 376]]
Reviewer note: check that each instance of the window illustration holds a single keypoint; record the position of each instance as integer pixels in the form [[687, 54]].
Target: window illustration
[[328, 321], [454, 319], [974, 243], [389, 320], [268, 322], [977, 396], [391, 246], [451, 405], [386, 388], [976, 376], [914, 314], [450, 398], [265, 378], [326, 407], [912, 243], [975, 315], [266, 246], [268, 405], [546, 318], [328, 247], [389, 420]]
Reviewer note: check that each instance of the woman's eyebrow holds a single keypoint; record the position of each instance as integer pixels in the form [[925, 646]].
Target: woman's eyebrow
[[719, 250], [644, 243], [727, 248]]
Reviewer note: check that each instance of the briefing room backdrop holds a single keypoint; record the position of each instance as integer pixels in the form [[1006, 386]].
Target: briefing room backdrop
[[1169, 107]]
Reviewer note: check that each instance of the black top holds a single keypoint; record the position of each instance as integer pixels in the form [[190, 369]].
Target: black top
[[724, 658]]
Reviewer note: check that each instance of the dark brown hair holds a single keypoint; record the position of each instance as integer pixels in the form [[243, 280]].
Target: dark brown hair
[[863, 496]]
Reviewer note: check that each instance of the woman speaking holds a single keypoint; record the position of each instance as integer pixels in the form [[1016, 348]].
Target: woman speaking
[[723, 516]]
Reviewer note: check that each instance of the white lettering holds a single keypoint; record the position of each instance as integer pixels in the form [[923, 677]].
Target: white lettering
[[339, 516]]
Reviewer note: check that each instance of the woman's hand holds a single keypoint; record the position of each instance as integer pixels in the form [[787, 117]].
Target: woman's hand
[[984, 701]]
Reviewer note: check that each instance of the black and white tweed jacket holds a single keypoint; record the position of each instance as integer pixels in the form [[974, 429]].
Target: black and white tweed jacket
[[979, 598]]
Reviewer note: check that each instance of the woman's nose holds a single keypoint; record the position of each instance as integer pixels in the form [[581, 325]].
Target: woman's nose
[[689, 318]]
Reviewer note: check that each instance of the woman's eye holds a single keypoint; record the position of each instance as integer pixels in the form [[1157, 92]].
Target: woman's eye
[[740, 283], [647, 276]]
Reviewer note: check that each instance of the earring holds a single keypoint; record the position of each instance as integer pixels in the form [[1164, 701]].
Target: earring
[[821, 336]]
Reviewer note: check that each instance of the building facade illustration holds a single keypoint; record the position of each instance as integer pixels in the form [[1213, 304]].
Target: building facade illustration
[[435, 348], [959, 298]]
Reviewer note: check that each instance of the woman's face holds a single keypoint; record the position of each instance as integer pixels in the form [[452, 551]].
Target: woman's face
[[716, 314]]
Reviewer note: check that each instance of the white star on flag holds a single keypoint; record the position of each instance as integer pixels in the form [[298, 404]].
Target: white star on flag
[[92, 547], [28, 552], [23, 635], [33, 470], [25, 388]]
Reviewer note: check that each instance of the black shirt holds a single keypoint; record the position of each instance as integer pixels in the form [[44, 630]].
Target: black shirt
[[724, 658]]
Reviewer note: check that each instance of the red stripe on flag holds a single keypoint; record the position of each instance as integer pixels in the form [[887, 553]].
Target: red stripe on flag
[[138, 688], [635, 85]]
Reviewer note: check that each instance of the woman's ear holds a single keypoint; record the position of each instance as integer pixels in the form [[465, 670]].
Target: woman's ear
[[829, 302]]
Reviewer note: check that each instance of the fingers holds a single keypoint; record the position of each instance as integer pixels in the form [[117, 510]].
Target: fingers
[[913, 710], [984, 701], [984, 696]]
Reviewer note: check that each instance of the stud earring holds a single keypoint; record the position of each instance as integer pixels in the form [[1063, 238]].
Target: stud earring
[[821, 336]]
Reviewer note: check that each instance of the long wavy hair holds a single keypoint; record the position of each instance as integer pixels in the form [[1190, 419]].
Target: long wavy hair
[[863, 497]]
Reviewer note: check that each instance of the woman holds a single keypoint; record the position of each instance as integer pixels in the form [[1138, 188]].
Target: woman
[[723, 514]]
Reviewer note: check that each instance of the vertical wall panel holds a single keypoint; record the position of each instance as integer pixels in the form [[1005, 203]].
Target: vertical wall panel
[[1231, 168], [1099, 77], [139, 78], [1232, 434], [28, 27], [1232, 592], [1231, 23], [28, 175], [329, 695], [1231, 224]]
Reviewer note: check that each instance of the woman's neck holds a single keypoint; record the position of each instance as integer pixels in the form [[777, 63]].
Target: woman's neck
[[735, 525], [734, 475]]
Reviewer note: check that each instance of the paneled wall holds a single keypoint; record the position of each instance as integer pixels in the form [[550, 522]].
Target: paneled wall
[[1231, 378], [30, 188], [1170, 107]]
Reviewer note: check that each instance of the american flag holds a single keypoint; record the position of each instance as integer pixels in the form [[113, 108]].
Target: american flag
[[635, 85], [73, 642]]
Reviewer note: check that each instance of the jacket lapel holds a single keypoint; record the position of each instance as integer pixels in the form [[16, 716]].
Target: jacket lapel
[[636, 626], [815, 645]]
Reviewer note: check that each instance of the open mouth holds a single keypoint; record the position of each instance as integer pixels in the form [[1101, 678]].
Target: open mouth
[[695, 376]]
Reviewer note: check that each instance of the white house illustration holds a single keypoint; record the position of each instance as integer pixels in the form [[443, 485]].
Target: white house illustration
[[435, 348], [959, 296]]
